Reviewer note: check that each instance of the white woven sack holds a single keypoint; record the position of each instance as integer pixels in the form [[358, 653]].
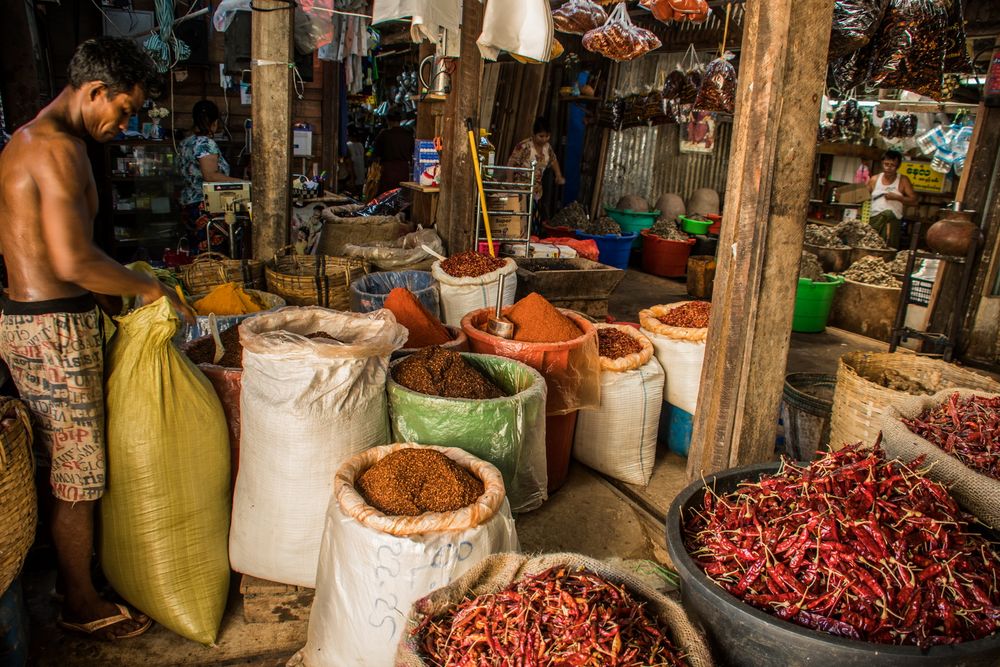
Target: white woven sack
[[306, 406], [374, 567], [681, 362], [461, 296], [619, 438]]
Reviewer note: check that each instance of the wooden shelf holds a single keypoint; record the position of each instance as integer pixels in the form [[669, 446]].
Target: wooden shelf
[[429, 97], [410, 185], [850, 150]]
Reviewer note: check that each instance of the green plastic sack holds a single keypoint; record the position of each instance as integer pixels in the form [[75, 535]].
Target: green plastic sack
[[165, 513], [508, 432]]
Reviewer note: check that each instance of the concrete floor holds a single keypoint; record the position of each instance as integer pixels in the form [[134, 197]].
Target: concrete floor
[[590, 515]]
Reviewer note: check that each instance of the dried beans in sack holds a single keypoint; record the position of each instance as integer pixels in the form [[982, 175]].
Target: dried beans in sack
[[578, 17], [620, 39]]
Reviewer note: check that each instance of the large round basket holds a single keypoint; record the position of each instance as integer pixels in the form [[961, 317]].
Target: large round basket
[[314, 280], [18, 509], [211, 269], [861, 396]]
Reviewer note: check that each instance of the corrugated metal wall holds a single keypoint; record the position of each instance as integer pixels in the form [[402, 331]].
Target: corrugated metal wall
[[647, 160]]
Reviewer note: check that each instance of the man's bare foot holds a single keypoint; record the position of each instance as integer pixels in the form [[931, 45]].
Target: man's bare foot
[[106, 621]]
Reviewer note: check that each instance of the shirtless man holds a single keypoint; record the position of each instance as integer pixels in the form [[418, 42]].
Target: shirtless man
[[50, 331]]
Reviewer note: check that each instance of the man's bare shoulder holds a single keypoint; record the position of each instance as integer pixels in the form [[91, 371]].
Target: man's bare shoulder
[[41, 149]]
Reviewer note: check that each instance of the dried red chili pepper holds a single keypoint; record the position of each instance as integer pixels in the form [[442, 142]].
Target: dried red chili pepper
[[859, 547], [967, 429]]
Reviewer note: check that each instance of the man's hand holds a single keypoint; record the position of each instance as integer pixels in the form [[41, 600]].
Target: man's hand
[[560, 180], [157, 289], [894, 196]]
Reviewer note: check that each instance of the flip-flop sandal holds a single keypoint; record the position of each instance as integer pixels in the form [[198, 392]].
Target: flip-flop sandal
[[95, 626]]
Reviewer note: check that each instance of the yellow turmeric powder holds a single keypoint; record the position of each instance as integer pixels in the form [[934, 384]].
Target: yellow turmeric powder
[[228, 299]]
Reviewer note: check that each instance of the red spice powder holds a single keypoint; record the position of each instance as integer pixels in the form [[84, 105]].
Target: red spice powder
[[538, 321], [424, 329]]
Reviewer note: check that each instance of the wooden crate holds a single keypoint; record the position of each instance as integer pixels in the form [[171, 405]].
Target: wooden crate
[[270, 602]]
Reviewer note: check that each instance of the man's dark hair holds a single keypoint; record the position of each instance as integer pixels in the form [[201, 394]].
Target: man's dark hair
[[205, 112], [895, 156], [117, 62], [541, 125]]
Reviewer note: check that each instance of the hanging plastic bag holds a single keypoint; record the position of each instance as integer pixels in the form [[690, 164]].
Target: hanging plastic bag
[[507, 432], [373, 567], [956, 54], [577, 17], [522, 27], [307, 405], [718, 88], [165, 515], [694, 71], [620, 39], [619, 438], [854, 24], [909, 48], [851, 71]]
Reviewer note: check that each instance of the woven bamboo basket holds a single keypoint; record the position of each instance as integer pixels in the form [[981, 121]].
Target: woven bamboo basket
[[859, 400], [211, 269], [18, 511], [314, 280]]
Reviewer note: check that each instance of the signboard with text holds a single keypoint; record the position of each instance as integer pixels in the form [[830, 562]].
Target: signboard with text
[[923, 178]]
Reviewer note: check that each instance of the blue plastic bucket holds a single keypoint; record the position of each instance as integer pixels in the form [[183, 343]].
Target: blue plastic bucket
[[612, 249], [675, 428], [369, 292]]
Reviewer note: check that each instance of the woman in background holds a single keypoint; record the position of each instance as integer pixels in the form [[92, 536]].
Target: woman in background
[[537, 148], [201, 161]]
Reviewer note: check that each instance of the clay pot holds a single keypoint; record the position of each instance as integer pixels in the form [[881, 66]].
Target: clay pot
[[953, 233]]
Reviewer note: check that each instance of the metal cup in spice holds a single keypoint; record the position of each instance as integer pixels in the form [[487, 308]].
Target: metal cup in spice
[[438, 372], [409, 482]]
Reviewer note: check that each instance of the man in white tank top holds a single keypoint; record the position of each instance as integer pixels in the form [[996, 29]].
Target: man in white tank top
[[890, 193]]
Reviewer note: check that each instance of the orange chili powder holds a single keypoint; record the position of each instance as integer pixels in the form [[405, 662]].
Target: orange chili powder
[[423, 327], [537, 321]]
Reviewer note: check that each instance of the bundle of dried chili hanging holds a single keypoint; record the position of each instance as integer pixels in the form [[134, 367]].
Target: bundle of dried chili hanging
[[557, 617], [852, 545], [967, 429]]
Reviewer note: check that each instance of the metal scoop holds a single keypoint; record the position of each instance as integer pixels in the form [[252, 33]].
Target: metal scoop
[[498, 325]]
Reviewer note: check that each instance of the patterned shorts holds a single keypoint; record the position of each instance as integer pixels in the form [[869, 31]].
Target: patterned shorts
[[55, 353]]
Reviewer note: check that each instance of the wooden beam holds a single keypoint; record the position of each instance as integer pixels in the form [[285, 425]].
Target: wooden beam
[[457, 209], [331, 122], [271, 78], [781, 78]]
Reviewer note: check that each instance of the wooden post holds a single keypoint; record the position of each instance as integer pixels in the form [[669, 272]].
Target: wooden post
[[330, 160], [457, 208], [781, 77], [271, 78]]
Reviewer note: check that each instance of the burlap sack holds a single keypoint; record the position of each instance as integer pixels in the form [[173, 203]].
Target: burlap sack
[[496, 572], [975, 492]]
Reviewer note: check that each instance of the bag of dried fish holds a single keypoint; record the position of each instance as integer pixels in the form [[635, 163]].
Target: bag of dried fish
[[910, 47], [854, 23], [620, 39], [718, 87]]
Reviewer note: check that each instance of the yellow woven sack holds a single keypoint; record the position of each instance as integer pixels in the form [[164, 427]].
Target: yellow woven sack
[[165, 513]]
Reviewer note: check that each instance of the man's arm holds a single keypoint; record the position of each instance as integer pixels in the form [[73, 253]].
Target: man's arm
[[560, 179], [66, 229], [907, 194]]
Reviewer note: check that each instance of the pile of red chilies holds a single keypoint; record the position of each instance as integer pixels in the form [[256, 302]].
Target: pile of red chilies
[[967, 429], [855, 546], [559, 617]]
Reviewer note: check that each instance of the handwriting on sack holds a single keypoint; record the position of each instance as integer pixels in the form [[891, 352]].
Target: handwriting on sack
[[436, 572]]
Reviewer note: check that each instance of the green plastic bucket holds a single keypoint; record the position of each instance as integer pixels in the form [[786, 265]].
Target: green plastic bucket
[[633, 221], [812, 303]]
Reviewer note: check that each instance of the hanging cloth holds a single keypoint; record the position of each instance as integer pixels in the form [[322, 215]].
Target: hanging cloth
[[440, 21], [522, 27]]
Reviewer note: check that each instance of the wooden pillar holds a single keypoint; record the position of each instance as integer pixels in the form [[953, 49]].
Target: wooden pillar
[[457, 208], [330, 109], [271, 52], [781, 78]]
